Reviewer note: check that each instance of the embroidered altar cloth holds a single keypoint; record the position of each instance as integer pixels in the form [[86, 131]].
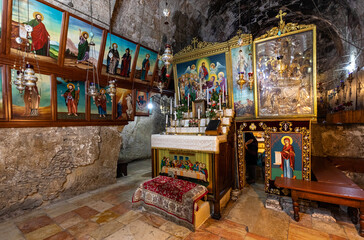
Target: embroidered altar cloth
[[188, 142], [173, 198]]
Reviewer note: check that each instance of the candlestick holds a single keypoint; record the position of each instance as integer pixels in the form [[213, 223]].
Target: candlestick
[[188, 102], [220, 102], [171, 107]]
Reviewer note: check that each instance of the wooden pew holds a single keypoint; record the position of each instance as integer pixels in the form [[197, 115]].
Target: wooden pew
[[332, 186]]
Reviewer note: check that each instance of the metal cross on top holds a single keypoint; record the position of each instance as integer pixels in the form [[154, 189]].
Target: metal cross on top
[[194, 42], [281, 15]]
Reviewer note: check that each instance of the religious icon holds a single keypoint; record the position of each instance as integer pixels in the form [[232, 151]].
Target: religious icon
[[34, 103], [141, 103], [145, 66], [70, 99], [243, 97], [285, 75], [286, 149], [82, 45], [124, 106], [46, 24], [118, 56], [101, 105]]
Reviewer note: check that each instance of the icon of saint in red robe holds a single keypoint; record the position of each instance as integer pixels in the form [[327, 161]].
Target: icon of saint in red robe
[[40, 35]]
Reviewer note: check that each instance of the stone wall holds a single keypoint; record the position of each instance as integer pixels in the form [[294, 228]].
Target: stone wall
[[40, 165], [338, 140]]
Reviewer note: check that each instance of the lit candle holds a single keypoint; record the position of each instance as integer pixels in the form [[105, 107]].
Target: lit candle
[[220, 102], [188, 102], [171, 107], [198, 113]]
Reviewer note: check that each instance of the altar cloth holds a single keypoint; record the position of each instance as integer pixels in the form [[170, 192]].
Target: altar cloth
[[173, 198], [188, 142]]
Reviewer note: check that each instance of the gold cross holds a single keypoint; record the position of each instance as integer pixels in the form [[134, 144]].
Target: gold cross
[[281, 15], [194, 41], [239, 32]]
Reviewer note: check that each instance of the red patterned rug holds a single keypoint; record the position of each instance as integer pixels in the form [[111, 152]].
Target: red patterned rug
[[173, 198]]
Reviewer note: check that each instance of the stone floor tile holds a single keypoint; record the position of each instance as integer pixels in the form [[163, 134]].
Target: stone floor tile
[[65, 216], [33, 224], [129, 217], [71, 221], [271, 224], [60, 208], [297, 232], [106, 230], [61, 236], [328, 227], [83, 228], [153, 219], [174, 229], [9, 231], [202, 235], [105, 217], [121, 208], [100, 206], [335, 237], [86, 212], [352, 232], [225, 228], [253, 236], [44, 232], [139, 230], [112, 199]]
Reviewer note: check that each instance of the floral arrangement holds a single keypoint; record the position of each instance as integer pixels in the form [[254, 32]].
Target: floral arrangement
[[341, 107], [193, 122]]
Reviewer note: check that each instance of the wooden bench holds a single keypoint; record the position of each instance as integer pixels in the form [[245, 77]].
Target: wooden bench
[[332, 186]]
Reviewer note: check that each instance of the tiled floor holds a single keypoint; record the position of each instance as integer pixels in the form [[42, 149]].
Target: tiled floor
[[107, 214]]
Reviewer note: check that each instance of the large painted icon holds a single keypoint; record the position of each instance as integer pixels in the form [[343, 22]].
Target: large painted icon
[[286, 154], [124, 104], [70, 99], [210, 70], [141, 103], [83, 44], [118, 56], [34, 104], [285, 73], [242, 68], [146, 62], [2, 110], [1, 16], [101, 105], [46, 34]]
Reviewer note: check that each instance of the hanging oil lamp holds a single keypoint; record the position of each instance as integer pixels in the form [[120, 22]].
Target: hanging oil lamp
[[167, 56], [30, 80], [251, 81], [112, 88], [241, 81]]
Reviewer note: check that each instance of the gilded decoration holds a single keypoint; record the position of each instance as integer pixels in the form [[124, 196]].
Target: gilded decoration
[[275, 134]]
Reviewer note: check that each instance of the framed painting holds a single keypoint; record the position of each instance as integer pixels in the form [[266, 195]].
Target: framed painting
[[101, 105], [209, 70], [1, 17], [118, 57], [145, 66], [242, 71], [125, 104], [46, 23], [141, 103], [2, 102], [34, 103], [285, 73], [83, 44], [71, 98]]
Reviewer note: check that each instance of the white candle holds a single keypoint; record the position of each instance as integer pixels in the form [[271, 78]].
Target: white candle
[[207, 96], [175, 115], [175, 99], [171, 107], [198, 113], [179, 96], [220, 102], [188, 101], [223, 94], [166, 119]]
